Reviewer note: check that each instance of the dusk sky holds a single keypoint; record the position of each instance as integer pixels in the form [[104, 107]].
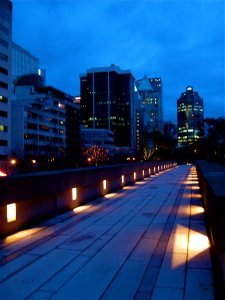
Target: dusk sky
[[180, 41]]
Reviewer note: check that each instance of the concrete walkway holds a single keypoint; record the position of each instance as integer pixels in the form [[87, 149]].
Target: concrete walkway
[[147, 241]]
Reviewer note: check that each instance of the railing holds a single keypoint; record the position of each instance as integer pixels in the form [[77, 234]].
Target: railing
[[28, 199]]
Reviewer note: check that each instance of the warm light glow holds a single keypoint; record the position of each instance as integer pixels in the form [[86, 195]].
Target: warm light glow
[[129, 188], [82, 208], [187, 195], [13, 161], [104, 184], [140, 182], [195, 210], [33, 161], [135, 175], [199, 196], [74, 194], [180, 242], [108, 196], [26, 233], [154, 170], [197, 243], [193, 245], [190, 182], [143, 172], [122, 179], [11, 212], [2, 174], [149, 171], [195, 188]]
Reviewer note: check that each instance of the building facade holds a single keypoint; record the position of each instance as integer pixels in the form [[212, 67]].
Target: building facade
[[23, 62], [98, 136], [107, 102], [190, 117], [24, 66], [5, 76], [45, 123], [150, 90]]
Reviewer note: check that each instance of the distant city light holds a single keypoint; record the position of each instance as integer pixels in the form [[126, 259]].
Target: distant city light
[[13, 161]]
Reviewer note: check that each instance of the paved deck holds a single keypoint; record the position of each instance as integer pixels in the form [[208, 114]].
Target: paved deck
[[147, 241]]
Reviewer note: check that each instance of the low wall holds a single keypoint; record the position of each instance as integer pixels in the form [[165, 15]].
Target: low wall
[[212, 183], [28, 199]]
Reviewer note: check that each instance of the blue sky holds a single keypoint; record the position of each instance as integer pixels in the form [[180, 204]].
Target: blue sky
[[180, 41]]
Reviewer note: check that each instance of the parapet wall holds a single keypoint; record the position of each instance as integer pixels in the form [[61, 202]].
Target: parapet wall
[[212, 183], [28, 199]]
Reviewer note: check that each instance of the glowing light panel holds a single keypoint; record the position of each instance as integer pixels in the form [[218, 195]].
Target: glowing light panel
[[11, 212], [74, 194], [104, 184]]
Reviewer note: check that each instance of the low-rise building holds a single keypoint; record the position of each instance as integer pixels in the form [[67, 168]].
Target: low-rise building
[[42, 122]]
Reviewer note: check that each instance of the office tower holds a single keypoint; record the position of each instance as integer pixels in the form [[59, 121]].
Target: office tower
[[5, 76], [150, 90], [107, 101], [190, 117]]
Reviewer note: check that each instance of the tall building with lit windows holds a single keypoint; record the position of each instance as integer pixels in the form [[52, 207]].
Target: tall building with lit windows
[[5, 76], [150, 90], [190, 115], [107, 101]]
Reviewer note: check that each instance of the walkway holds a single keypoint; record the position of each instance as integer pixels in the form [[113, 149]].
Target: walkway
[[148, 241]]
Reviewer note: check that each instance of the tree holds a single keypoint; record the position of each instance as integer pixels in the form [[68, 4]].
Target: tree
[[96, 155], [148, 152]]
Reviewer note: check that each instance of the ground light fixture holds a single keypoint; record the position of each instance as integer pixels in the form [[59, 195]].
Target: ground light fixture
[[11, 212]]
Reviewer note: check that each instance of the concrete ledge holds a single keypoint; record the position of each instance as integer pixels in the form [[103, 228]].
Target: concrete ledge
[[212, 184], [41, 195]]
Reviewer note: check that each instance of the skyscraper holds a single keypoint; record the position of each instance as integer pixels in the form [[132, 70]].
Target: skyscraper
[[107, 101], [190, 117], [150, 90], [5, 76]]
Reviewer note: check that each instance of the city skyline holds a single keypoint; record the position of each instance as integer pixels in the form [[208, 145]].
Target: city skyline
[[181, 42]]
